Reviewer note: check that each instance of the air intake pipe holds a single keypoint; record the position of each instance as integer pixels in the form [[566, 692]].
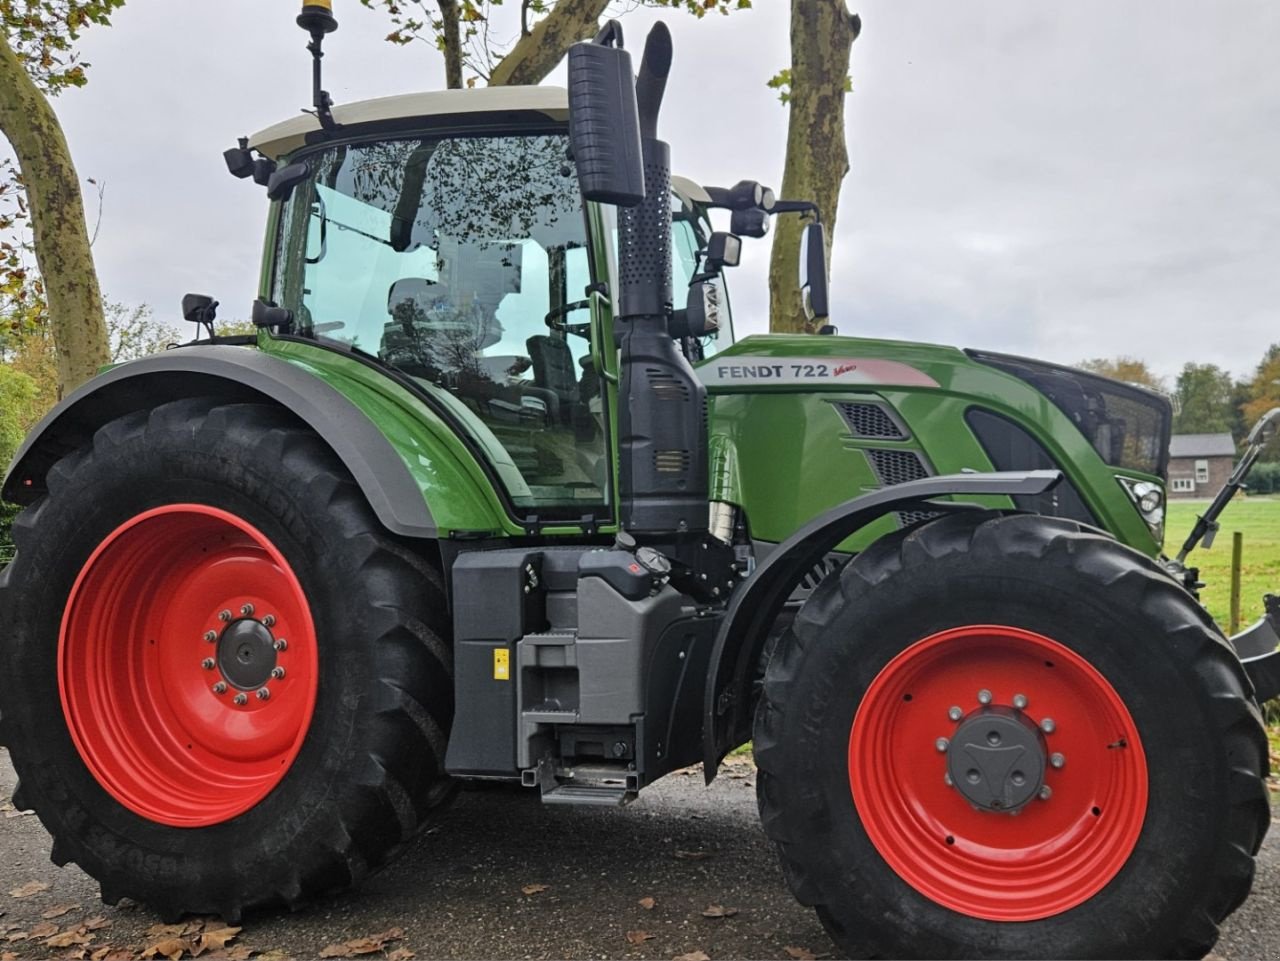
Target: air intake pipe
[[663, 406]]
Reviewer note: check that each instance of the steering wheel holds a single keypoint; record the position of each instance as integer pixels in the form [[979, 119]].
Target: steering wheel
[[555, 318]]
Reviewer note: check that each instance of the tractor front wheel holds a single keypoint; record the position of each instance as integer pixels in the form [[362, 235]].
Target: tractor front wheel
[[225, 685], [1010, 736]]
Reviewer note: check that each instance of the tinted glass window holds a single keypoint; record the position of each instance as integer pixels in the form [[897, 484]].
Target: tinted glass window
[[460, 262]]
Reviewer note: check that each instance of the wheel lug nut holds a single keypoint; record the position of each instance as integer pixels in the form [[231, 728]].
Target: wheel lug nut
[[278, 672], [1048, 726], [269, 621], [210, 636], [207, 664], [954, 713], [220, 687], [946, 779], [1046, 792], [224, 616], [1057, 760], [281, 644], [247, 610], [263, 694], [984, 696], [241, 699], [1020, 701], [942, 744]]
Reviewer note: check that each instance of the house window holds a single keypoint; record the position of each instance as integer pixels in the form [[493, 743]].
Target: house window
[[1183, 485], [1202, 472]]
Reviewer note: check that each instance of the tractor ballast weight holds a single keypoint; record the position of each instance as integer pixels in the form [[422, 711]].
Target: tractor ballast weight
[[427, 527]]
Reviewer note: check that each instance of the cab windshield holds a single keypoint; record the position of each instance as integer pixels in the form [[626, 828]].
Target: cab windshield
[[462, 261]]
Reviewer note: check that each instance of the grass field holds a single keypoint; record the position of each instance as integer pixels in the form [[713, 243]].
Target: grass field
[[1258, 518]]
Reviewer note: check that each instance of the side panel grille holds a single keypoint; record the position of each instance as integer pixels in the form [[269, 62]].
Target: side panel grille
[[871, 421], [897, 467]]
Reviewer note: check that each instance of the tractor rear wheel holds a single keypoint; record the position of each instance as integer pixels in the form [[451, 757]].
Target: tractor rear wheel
[[1011, 736], [226, 686]]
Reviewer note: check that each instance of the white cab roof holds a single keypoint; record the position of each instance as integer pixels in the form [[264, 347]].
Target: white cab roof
[[283, 138]]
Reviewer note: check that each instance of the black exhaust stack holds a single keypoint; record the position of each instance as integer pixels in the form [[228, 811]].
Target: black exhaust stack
[[662, 421]]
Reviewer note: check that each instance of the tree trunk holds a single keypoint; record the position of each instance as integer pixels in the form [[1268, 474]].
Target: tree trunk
[[537, 52], [822, 35], [58, 223], [452, 43]]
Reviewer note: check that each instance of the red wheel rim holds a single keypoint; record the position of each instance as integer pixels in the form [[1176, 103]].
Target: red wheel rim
[[163, 596], [1055, 853]]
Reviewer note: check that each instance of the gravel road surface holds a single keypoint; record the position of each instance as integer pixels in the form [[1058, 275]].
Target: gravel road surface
[[459, 891]]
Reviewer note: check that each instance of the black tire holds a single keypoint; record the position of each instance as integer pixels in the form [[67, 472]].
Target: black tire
[[1206, 753], [370, 767]]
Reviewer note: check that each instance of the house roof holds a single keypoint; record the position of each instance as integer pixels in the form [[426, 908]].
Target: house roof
[[1202, 445]]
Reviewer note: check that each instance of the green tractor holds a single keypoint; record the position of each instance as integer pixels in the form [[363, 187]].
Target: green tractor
[[494, 495]]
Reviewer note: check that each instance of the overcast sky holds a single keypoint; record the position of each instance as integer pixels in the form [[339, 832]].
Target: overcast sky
[[1064, 180]]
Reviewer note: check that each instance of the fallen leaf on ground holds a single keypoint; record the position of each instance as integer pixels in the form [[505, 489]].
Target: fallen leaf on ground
[[401, 954], [157, 931], [800, 954], [212, 940], [28, 889], [647, 903], [58, 911], [97, 923], [17, 814], [534, 888], [639, 937], [171, 948], [118, 954], [101, 953], [241, 952], [8, 956], [692, 855], [693, 956], [43, 930], [69, 938], [358, 946], [718, 911]]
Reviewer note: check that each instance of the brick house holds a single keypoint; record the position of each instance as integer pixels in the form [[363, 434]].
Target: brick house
[[1199, 464]]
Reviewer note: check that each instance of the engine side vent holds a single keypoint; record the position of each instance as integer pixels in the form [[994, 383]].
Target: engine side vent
[[671, 461], [897, 467], [665, 386], [871, 421]]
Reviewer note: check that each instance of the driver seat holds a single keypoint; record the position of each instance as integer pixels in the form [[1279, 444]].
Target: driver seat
[[553, 370]]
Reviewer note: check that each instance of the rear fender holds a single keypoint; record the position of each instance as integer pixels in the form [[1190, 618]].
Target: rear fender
[[237, 374], [757, 603]]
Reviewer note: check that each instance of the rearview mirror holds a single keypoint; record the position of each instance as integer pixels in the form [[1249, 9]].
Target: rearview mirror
[[282, 182], [604, 124], [813, 272]]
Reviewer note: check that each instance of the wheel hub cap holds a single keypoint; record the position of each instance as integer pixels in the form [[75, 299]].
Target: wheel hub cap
[[246, 654], [996, 760]]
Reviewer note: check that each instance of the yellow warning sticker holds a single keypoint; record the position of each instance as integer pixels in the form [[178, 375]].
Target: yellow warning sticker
[[501, 664]]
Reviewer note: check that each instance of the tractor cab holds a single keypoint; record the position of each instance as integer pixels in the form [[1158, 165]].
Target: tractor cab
[[444, 234]]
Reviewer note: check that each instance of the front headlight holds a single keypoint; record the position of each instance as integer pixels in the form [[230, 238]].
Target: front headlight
[[1148, 497]]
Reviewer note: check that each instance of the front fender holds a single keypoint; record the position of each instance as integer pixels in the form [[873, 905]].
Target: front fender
[[757, 603], [237, 374]]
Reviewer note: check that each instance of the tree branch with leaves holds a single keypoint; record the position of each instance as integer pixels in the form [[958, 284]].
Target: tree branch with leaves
[[464, 32], [37, 61]]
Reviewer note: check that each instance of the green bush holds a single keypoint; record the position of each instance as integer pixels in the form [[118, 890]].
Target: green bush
[[1264, 478]]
